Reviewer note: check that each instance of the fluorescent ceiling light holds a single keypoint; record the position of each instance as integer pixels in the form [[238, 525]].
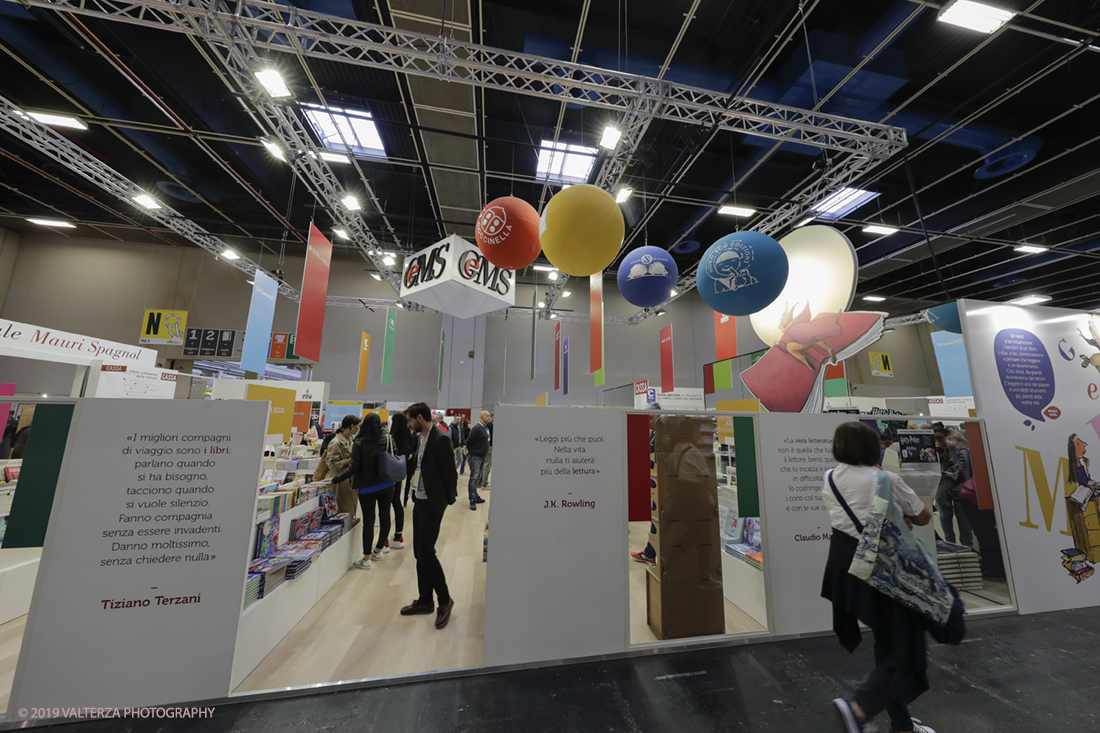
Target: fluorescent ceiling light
[[874, 298], [1030, 300], [553, 276], [376, 276], [273, 83], [804, 222], [388, 261], [736, 211], [543, 268], [879, 229], [351, 203], [975, 16], [341, 129], [610, 138], [566, 293], [58, 223], [623, 195], [341, 233], [842, 203], [542, 304], [564, 163], [274, 148], [147, 201], [335, 158], [230, 254], [58, 120], [1031, 249]]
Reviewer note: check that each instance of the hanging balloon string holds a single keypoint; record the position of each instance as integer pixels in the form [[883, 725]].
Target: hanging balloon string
[[289, 208], [443, 21], [809, 58], [733, 174], [920, 216]]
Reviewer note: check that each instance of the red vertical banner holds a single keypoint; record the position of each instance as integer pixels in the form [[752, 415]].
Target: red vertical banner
[[668, 377], [595, 325], [311, 308], [725, 336], [557, 356]]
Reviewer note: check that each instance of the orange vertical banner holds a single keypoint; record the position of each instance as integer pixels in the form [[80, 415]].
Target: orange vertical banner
[[595, 325], [725, 336], [364, 360], [301, 416]]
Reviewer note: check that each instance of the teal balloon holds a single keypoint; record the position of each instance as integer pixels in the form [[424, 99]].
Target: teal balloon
[[944, 317], [742, 273]]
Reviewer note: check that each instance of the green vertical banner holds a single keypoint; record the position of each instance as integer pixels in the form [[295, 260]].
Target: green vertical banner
[[442, 347], [748, 493], [534, 320], [387, 345], [33, 499]]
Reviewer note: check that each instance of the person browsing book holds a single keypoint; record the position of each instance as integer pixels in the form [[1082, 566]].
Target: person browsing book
[[374, 492], [900, 673]]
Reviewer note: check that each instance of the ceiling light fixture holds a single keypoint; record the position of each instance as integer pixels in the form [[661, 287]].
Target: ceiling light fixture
[[376, 276], [147, 201], [58, 120], [874, 298], [1030, 299], [842, 203], [351, 203], [879, 229], [553, 315], [57, 223], [975, 16], [566, 293], [736, 211], [230, 254], [401, 306], [341, 233], [274, 148], [623, 194], [335, 158], [610, 138], [1031, 249], [273, 83], [542, 304], [674, 293], [388, 261], [553, 276], [543, 268], [804, 222]]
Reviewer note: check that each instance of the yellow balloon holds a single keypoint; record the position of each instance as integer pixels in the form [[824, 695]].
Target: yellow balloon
[[581, 230]]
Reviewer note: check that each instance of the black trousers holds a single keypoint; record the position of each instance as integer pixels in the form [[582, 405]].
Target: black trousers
[[368, 503], [398, 511], [429, 573]]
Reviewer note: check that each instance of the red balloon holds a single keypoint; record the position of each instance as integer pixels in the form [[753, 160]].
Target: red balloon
[[507, 232]]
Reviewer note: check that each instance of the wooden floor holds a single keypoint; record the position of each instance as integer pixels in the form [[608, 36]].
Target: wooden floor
[[737, 621], [356, 631], [11, 638]]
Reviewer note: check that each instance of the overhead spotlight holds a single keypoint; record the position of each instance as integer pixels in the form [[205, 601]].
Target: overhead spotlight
[[553, 315], [400, 306], [542, 304], [58, 120], [274, 148], [273, 83], [874, 298], [341, 233], [230, 254], [659, 312], [566, 293], [610, 138], [376, 276], [1031, 249], [673, 293], [975, 16], [351, 203], [147, 201], [56, 223], [553, 276], [250, 282], [623, 194], [1030, 299], [388, 261], [736, 211], [879, 229], [804, 222]]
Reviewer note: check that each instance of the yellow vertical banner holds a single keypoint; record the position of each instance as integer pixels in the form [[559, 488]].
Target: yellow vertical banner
[[540, 401], [364, 360], [281, 413]]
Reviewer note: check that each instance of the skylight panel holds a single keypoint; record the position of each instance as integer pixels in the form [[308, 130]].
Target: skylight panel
[[565, 163], [842, 203], [355, 128]]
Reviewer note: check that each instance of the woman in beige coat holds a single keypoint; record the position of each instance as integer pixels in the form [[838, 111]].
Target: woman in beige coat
[[338, 457]]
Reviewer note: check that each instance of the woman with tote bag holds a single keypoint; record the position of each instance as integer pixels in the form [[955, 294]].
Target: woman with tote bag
[[900, 673]]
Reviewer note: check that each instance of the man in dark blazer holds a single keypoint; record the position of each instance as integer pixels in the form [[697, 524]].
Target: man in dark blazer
[[436, 489]]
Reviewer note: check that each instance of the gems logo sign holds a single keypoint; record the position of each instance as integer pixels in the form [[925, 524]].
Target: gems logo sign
[[453, 277]]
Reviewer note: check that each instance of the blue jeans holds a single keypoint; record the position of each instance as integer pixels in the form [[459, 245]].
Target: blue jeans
[[947, 507], [476, 462]]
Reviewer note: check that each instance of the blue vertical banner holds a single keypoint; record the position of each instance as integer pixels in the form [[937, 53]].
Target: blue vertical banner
[[261, 314], [565, 366], [951, 359]]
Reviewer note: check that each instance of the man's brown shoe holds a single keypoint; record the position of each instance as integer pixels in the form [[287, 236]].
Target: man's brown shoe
[[416, 607], [443, 615]]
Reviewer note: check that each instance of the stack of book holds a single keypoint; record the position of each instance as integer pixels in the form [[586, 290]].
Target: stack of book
[[960, 565], [272, 572], [1076, 563], [252, 589], [299, 556], [267, 537], [746, 553], [320, 535]]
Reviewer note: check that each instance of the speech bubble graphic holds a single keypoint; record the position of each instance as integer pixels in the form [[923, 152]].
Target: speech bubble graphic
[[1026, 373]]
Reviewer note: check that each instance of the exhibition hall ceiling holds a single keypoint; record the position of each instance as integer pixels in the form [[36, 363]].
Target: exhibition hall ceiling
[[1002, 146]]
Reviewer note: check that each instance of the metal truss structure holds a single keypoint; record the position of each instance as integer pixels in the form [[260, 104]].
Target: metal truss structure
[[238, 30]]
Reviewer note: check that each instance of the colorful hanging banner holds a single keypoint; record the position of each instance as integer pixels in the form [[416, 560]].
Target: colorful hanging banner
[[557, 356], [300, 422], [281, 411], [261, 314], [668, 377], [534, 320], [442, 347], [364, 361], [595, 326], [311, 306], [279, 344], [836, 381], [565, 367], [541, 400], [387, 345], [725, 336], [163, 327]]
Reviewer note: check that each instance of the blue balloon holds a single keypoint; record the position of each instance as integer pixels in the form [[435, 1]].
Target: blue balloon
[[742, 273], [647, 276], [944, 317]]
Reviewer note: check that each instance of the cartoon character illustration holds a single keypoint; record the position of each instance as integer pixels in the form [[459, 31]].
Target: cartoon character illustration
[[801, 333], [731, 269], [1094, 342], [1078, 464], [647, 266], [493, 220], [173, 322]]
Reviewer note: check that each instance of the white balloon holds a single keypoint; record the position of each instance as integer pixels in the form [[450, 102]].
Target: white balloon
[[823, 269]]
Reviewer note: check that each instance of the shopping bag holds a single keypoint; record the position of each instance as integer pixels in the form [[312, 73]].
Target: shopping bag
[[968, 491], [390, 467]]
